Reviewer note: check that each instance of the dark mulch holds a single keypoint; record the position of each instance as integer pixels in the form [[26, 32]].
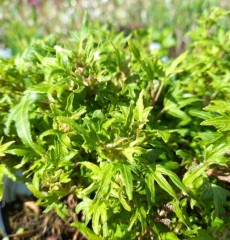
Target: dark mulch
[[25, 220]]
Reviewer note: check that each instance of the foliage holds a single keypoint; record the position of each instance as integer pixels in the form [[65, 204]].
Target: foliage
[[34, 18], [103, 118]]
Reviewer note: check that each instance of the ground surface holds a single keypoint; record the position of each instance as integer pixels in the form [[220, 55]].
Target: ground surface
[[24, 219]]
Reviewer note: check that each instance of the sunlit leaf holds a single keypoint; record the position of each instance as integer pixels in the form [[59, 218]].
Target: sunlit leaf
[[86, 231], [128, 179]]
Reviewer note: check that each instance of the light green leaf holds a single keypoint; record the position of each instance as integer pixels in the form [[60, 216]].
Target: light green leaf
[[181, 214], [127, 179], [192, 174], [175, 179], [124, 202], [20, 115], [222, 123], [96, 217], [165, 135], [69, 104], [139, 107], [162, 182], [173, 68], [134, 49], [4, 172], [133, 220], [105, 183], [82, 193], [86, 231], [219, 106], [36, 191], [91, 166], [3, 147], [84, 205], [140, 113], [100, 213]]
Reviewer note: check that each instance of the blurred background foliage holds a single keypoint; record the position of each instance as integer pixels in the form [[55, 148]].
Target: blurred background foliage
[[167, 21]]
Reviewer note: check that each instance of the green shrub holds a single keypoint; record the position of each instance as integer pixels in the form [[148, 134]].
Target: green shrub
[[103, 118]]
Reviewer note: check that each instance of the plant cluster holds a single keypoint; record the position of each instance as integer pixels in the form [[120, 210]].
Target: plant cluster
[[143, 145]]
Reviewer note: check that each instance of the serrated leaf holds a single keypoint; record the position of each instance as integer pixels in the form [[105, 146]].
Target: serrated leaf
[[219, 195], [20, 115], [127, 179], [218, 106], [222, 123]]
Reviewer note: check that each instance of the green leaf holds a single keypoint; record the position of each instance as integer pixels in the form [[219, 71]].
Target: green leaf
[[181, 214], [141, 113], [133, 219], [91, 166], [203, 235], [165, 135], [173, 68], [124, 202], [105, 183], [84, 205], [192, 174], [86, 231], [69, 104], [4, 171], [218, 106], [222, 123], [150, 189], [127, 179], [100, 213], [20, 114], [36, 192], [142, 218], [175, 179], [96, 217], [139, 107], [162, 182], [220, 196], [168, 236], [134, 49], [3, 147]]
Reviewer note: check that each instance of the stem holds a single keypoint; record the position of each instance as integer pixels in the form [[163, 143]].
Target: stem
[[159, 91]]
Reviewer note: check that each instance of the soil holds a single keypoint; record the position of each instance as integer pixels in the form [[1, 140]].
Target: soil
[[25, 220]]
